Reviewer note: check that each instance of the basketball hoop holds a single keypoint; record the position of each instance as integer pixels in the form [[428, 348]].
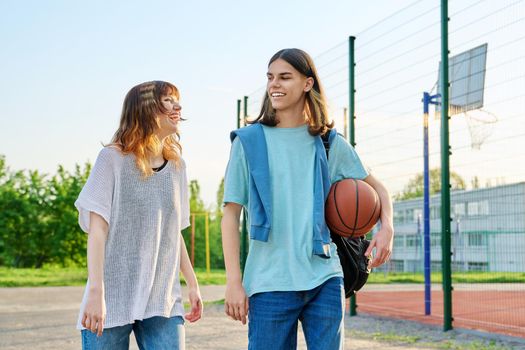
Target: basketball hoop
[[480, 127], [467, 81], [467, 86]]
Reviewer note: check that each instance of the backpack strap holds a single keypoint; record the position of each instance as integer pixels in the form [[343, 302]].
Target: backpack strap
[[326, 142]]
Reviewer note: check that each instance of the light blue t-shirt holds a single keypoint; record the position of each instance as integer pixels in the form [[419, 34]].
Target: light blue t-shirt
[[286, 262]]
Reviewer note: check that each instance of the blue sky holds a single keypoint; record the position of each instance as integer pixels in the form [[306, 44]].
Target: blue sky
[[66, 66]]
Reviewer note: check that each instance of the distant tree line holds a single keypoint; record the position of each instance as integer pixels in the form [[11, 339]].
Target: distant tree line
[[415, 186], [39, 223]]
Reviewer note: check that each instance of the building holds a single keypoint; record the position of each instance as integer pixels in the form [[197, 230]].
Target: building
[[488, 231]]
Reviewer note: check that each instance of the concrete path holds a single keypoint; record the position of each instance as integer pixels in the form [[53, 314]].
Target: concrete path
[[45, 318]]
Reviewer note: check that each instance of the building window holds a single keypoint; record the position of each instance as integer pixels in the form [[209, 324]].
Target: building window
[[478, 266], [477, 240], [435, 239], [397, 266], [399, 241], [398, 216], [435, 212], [411, 240], [473, 209], [478, 208], [459, 209]]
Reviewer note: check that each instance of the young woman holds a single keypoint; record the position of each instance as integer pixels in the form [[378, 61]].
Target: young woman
[[133, 206], [279, 172]]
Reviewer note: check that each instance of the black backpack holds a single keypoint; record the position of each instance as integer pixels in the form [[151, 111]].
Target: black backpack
[[351, 253]]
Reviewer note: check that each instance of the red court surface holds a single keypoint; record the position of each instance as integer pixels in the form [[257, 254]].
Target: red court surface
[[494, 311]]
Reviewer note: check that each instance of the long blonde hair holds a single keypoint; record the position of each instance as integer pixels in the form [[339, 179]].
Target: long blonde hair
[[138, 123], [315, 104]]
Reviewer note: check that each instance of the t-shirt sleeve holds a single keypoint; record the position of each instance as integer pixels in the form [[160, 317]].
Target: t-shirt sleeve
[[97, 194], [236, 177], [343, 161], [185, 198]]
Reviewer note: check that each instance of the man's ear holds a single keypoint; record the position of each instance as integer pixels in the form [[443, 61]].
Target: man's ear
[[309, 84]]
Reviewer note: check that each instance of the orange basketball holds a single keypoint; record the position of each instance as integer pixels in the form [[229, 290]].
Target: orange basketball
[[352, 208]]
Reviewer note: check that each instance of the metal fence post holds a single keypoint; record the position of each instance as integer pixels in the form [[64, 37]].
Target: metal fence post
[[445, 173], [351, 124]]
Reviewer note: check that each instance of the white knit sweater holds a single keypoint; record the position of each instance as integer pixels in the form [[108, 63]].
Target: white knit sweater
[[145, 217]]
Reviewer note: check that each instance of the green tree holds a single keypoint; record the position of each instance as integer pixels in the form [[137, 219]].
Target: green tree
[[197, 222], [24, 215], [38, 221], [198, 219], [196, 203], [68, 241], [3, 188], [414, 187], [215, 230], [220, 198]]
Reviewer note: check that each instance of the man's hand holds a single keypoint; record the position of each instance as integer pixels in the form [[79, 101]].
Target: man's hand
[[236, 302], [382, 242]]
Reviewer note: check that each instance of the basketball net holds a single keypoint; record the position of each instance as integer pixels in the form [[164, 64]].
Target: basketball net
[[480, 125]]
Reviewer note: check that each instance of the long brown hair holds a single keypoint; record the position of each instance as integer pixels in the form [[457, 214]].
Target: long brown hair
[[138, 123], [315, 104]]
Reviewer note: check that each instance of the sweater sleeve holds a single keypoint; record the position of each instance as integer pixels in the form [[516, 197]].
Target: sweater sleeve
[[97, 194]]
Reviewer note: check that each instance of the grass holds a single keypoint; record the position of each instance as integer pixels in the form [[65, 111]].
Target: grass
[[46, 276], [215, 277], [76, 276], [474, 345], [396, 338], [206, 303], [393, 337]]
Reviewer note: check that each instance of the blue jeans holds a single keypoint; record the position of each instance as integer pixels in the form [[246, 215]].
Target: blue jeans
[[273, 318], [152, 333]]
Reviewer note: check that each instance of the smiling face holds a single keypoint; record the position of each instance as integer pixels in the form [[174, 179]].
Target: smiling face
[[170, 117], [286, 87]]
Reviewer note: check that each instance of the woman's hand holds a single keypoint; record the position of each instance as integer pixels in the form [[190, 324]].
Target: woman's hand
[[94, 311], [195, 313], [95, 308]]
